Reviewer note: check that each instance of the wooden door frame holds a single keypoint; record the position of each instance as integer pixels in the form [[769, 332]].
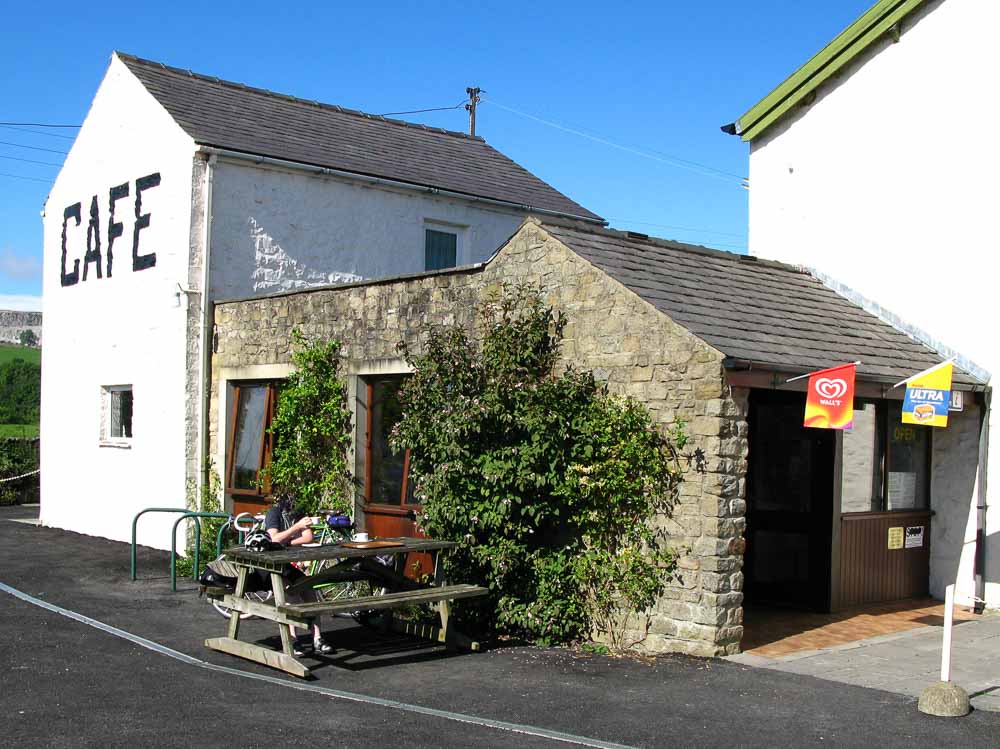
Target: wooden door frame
[[757, 398]]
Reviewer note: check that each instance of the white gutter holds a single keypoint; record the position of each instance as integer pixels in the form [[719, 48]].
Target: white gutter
[[206, 332], [396, 184]]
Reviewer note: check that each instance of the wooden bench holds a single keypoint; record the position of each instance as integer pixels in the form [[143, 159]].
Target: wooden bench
[[306, 611], [352, 563], [442, 595]]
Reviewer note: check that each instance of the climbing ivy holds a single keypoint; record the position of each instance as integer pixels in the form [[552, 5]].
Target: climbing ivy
[[552, 485], [312, 430]]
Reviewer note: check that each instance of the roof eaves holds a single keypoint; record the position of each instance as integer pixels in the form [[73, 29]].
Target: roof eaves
[[847, 45]]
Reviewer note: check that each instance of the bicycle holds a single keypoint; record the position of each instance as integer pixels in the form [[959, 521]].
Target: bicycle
[[340, 579], [246, 525]]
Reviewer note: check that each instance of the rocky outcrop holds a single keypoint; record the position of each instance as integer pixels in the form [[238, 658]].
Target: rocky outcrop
[[13, 322]]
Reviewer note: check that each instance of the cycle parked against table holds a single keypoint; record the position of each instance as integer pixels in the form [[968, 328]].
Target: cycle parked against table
[[340, 579], [247, 525]]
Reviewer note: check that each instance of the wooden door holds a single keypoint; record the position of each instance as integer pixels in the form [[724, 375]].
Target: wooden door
[[389, 503], [789, 505]]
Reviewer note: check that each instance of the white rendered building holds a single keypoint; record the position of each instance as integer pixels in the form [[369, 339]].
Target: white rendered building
[[183, 189], [870, 164]]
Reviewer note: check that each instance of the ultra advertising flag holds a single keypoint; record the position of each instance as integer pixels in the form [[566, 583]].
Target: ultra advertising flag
[[830, 399], [928, 394]]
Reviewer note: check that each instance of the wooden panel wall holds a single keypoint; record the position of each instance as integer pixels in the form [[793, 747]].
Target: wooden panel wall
[[871, 572]]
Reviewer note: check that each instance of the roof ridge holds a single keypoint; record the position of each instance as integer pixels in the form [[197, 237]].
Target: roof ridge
[[640, 238], [298, 100]]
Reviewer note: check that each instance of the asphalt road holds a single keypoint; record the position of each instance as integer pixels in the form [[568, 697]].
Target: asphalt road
[[67, 683]]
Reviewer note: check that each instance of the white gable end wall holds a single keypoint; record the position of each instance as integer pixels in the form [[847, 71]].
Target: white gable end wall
[[275, 229], [888, 184], [121, 325]]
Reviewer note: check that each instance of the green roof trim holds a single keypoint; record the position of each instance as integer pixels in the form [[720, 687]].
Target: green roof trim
[[851, 42]]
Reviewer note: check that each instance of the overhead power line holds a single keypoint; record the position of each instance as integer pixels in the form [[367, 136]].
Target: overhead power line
[[37, 124], [419, 111], [644, 152], [19, 129], [30, 161], [680, 228], [33, 148], [21, 176]]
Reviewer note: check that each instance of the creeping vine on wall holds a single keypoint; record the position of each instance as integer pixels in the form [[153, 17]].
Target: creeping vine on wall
[[552, 485]]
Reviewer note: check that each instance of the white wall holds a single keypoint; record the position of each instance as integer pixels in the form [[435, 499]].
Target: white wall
[[274, 229], [888, 183], [124, 329]]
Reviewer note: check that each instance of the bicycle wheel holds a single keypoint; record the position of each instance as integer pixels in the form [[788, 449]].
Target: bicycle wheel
[[258, 596]]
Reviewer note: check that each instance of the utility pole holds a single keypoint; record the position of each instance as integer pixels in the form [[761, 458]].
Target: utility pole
[[471, 107]]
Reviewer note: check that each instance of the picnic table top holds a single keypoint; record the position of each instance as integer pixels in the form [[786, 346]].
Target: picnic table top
[[289, 554]]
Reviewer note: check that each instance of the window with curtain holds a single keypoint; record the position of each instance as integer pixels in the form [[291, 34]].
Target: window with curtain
[[249, 443]]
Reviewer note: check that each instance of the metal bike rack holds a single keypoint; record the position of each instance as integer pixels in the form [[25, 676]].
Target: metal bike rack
[[135, 522]]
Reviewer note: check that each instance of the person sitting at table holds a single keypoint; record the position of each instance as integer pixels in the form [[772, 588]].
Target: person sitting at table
[[289, 528]]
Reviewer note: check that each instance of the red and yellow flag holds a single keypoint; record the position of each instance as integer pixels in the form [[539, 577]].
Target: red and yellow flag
[[830, 402]]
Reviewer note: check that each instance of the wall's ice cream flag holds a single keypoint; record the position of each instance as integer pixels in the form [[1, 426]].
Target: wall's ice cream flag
[[830, 399], [928, 394]]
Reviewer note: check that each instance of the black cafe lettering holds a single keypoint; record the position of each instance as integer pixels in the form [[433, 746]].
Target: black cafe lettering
[[92, 256]]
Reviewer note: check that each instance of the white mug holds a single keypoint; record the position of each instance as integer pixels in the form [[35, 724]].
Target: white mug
[[360, 536]]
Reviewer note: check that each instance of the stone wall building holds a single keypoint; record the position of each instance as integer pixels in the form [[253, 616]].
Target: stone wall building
[[698, 335]]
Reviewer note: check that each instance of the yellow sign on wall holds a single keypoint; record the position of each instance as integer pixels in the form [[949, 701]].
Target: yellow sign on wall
[[896, 537]]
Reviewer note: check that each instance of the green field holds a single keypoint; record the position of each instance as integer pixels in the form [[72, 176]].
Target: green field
[[23, 431], [9, 351]]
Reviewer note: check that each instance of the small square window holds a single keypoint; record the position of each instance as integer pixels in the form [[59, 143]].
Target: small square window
[[440, 249], [116, 416]]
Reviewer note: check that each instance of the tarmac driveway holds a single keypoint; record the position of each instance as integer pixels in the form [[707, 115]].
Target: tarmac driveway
[[69, 683]]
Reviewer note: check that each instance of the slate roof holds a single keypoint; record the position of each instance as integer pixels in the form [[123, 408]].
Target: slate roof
[[255, 121], [771, 314]]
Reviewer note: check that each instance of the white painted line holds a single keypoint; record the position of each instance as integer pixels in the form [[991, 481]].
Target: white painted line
[[500, 725]]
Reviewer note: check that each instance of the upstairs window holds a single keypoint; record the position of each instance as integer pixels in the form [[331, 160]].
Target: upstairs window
[[250, 443], [440, 249]]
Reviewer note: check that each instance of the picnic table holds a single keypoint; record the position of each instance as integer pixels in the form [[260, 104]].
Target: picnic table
[[353, 558]]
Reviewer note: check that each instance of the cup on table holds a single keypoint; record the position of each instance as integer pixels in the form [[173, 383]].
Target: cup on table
[[360, 536]]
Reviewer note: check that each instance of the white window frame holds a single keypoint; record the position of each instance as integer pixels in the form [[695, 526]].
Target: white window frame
[[107, 405]]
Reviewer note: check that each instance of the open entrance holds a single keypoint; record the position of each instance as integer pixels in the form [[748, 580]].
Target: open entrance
[[790, 484]]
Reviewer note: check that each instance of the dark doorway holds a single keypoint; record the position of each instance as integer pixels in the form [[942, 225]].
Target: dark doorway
[[789, 505]]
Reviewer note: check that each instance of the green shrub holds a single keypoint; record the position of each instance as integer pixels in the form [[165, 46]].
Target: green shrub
[[312, 431], [18, 457], [552, 485], [20, 392]]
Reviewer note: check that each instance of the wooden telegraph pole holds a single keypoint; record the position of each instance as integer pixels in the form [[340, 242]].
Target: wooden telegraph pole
[[471, 107]]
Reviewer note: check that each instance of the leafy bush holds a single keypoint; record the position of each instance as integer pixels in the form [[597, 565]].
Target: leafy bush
[[209, 500], [552, 484], [312, 430], [20, 392], [18, 457]]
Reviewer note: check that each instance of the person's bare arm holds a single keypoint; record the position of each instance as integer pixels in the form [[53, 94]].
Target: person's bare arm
[[293, 535]]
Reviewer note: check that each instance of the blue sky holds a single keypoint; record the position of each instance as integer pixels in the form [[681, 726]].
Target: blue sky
[[655, 78]]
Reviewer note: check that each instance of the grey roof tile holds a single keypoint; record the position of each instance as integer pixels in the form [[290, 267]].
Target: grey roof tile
[[240, 118], [769, 313]]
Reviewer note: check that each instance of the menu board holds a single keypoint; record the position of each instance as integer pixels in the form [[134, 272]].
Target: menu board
[[902, 490]]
